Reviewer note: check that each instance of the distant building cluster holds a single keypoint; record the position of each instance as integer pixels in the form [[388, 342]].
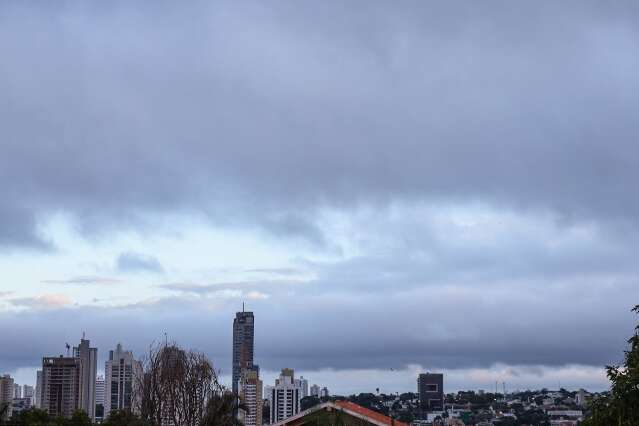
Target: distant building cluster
[[67, 383]]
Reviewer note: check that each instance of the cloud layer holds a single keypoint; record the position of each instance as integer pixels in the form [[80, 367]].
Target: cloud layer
[[453, 183]]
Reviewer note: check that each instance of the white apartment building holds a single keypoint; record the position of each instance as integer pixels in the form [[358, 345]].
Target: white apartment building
[[99, 397], [27, 391], [284, 398], [17, 391], [122, 372], [38, 390], [89, 367], [250, 392], [303, 383]]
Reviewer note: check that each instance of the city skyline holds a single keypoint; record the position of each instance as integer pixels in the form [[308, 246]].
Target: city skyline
[[392, 189]]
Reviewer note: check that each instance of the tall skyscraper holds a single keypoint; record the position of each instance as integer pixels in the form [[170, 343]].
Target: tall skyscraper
[[430, 387], [61, 385], [122, 373], [243, 332], [6, 393], [38, 390], [250, 392], [284, 398], [89, 363]]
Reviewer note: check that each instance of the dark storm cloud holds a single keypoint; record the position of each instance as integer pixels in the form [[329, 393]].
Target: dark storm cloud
[[266, 116], [453, 329], [136, 262], [262, 115]]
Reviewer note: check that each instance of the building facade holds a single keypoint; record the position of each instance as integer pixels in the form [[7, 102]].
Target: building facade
[[122, 372], [17, 391], [430, 387], [250, 393], [38, 390], [89, 364], [303, 383], [324, 392], [243, 337], [284, 398], [27, 391], [61, 385], [100, 386], [6, 393], [315, 391]]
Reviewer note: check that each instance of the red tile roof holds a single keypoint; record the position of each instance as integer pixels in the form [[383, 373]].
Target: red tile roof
[[350, 406]]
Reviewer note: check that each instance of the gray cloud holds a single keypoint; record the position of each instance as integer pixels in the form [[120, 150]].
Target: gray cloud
[[448, 328], [136, 262], [530, 108], [268, 119]]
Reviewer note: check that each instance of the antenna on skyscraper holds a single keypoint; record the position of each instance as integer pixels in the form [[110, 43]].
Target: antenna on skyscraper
[[68, 348]]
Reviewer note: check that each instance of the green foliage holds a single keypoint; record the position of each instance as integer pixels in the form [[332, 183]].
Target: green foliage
[[220, 410], [621, 407], [308, 402], [35, 417], [123, 418], [79, 418]]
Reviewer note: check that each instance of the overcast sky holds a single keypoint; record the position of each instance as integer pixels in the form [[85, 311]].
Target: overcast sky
[[391, 187]]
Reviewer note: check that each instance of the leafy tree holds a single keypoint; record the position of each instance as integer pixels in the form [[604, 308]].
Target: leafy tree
[[123, 418], [308, 402], [220, 410], [79, 418], [621, 407], [4, 409]]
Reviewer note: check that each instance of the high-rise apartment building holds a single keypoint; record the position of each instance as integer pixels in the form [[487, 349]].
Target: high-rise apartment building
[[315, 391], [89, 364], [324, 392], [38, 390], [303, 384], [6, 393], [250, 393], [122, 373], [243, 333], [61, 385], [27, 391], [17, 391], [284, 398], [99, 399], [430, 387]]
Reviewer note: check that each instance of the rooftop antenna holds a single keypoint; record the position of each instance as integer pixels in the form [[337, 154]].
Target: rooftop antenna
[[68, 349], [83, 334], [166, 340], [242, 306]]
